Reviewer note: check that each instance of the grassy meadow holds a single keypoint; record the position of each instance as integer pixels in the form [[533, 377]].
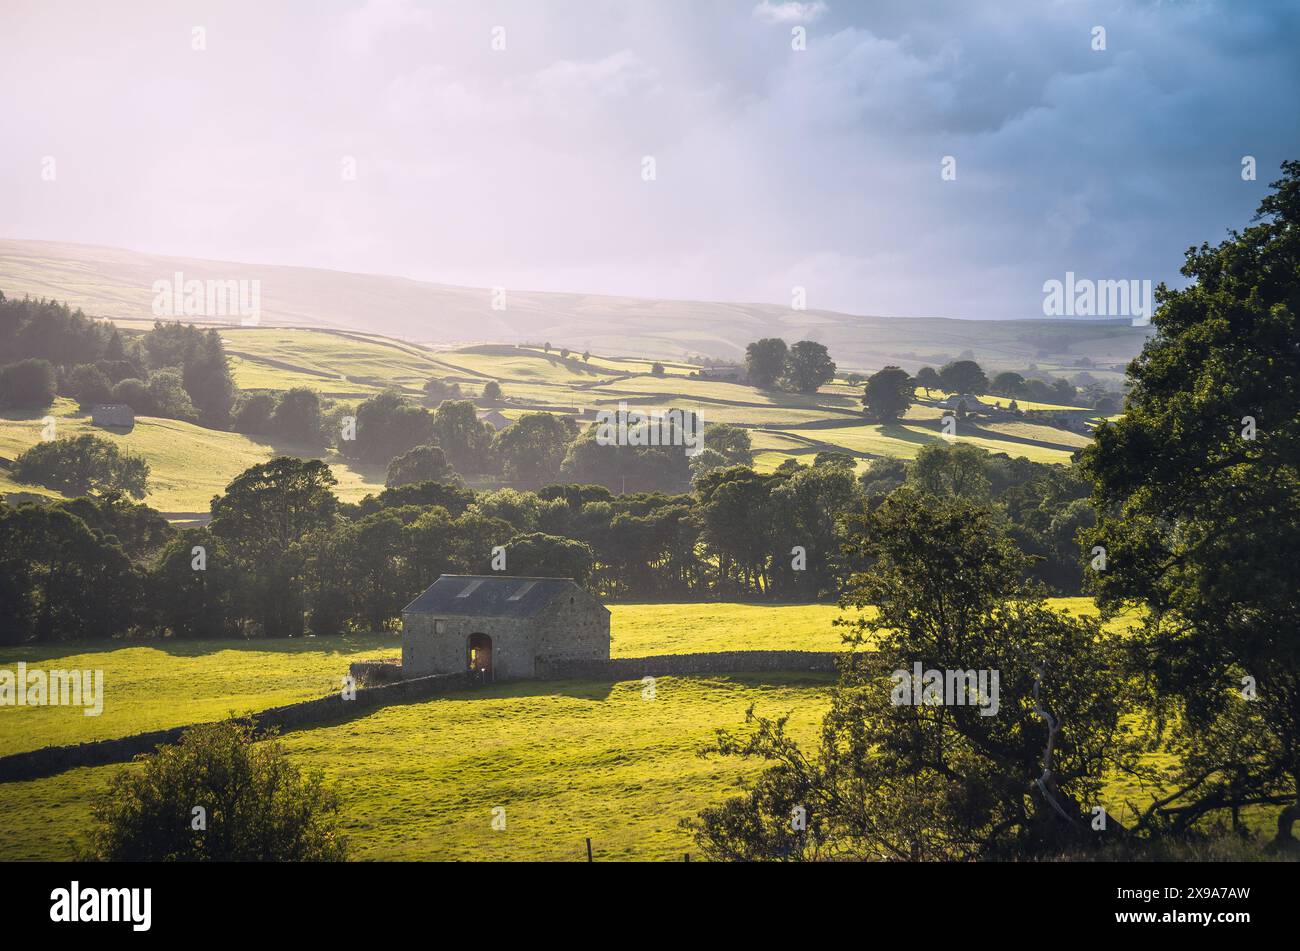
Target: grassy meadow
[[153, 685], [419, 780], [189, 464]]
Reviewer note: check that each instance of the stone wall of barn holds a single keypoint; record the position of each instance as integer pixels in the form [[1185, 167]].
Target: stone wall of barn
[[574, 625], [445, 650]]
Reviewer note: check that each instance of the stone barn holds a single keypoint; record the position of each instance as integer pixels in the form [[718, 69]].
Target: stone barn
[[112, 414], [498, 626]]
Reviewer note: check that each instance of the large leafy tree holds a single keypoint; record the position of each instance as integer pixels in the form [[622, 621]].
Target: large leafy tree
[[765, 361], [1001, 774], [421, 464], [262, 517], [808, 367], [466, 439], [532, 449], [387, 426], [1197, 489], [964, 376], [888, 394]]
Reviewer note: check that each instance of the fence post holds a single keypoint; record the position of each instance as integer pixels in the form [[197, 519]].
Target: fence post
[[589, 849]]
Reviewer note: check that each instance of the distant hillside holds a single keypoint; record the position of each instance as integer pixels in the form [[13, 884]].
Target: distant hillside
[[108, 282]]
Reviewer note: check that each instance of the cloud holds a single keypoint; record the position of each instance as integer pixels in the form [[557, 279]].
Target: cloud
[[789, 12], [776, 167]]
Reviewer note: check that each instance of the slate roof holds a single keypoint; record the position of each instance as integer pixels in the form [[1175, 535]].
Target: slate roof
[[488, 596]]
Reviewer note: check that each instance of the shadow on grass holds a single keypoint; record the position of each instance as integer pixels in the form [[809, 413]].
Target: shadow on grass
[[346, 645]]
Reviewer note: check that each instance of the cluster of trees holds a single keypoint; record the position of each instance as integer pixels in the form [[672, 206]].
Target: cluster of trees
[[173, 370], [1196, 491], [800, 368], [82, 465], [889, 392], [282, 555]]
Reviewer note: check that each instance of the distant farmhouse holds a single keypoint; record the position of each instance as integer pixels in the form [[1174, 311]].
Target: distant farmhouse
[[499, 626], [112, 414], [972, 402]]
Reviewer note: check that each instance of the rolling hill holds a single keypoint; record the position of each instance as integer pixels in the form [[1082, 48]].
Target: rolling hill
[[117, 284]]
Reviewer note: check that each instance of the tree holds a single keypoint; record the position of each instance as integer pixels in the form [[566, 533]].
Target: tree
[[537, 554], [388, 426], [893, 778], [194, 588], [88, 385], [207, 379], [951, 471], [297, 417], [888, 394], [765, 361], [928, 379], [27, 384], [883, 476], [134, 393], [1197, 491], [657, 369], [82, 465], [168, 398], [964, 376], [60, 579], [808, 367], [253, 413], [531, 450], [492, 391], [435, 391], [465, 438], [421, 464], [261, 519], [586, 356], [256, 806], [1008, 383], [732, 442]]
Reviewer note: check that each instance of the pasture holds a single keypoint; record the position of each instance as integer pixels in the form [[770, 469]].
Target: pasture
[[190, 464]]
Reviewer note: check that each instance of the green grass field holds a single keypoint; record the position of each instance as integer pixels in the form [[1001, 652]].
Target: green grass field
[[566, 760], [188, 464], [152, 685]]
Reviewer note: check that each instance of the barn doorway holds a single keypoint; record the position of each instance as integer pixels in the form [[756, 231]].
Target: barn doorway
[[480, 656]]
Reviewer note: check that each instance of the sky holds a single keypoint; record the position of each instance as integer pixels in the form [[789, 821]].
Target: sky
[[657, 148]]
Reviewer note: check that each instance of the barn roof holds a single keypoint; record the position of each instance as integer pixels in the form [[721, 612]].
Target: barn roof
[[489, 596]]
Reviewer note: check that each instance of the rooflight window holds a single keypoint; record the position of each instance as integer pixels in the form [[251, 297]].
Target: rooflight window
[[470, 588], [523, 590]]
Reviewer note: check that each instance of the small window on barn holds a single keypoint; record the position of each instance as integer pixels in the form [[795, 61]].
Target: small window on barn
[[470, 588], [523, 590]]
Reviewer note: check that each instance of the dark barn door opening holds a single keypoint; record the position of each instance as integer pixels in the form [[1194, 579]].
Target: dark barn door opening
[[480, 655]]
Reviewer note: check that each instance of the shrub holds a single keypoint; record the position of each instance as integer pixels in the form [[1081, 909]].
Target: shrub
[[217, 796]]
